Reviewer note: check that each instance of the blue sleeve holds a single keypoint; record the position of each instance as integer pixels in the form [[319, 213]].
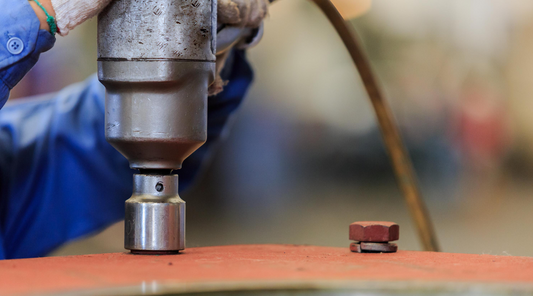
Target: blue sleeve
[[60, 179], [21, 43]]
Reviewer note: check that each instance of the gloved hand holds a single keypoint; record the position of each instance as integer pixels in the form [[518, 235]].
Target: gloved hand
[[239, 13], [71, 13], [245, 13]]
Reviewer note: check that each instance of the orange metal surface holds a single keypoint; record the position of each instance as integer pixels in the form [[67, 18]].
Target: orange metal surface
[[255, 263]]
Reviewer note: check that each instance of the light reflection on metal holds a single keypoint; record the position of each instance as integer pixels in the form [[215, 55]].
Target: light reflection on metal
[[155, 220]]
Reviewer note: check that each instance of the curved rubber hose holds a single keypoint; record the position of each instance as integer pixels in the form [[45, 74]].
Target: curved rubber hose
[[401, 162]]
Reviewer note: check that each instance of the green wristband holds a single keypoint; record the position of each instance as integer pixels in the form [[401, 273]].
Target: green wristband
[[49, 19]]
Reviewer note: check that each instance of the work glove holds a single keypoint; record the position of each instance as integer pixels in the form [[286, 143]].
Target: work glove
[[71, 13], [244, 13], [236, 13]]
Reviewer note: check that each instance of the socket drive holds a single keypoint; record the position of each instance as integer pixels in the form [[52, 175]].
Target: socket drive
[[155, 216]]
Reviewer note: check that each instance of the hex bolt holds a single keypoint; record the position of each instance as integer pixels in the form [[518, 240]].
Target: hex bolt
[[374, 236], [374, 231]]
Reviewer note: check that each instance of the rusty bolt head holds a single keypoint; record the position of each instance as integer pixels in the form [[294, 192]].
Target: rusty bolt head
[[374, 231]]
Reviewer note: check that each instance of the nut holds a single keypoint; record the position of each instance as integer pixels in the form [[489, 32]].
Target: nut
[[355, 247], [374, 231]]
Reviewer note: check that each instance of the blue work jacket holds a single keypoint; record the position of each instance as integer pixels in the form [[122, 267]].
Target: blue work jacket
[[59, 178]]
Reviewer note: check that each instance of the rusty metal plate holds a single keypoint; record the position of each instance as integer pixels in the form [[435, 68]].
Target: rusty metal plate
[[270, 267]]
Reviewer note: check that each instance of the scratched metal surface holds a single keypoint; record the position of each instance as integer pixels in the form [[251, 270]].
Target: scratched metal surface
[[158, 29]]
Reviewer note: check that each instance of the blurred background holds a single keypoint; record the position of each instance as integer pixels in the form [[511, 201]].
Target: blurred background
[[305, 158]]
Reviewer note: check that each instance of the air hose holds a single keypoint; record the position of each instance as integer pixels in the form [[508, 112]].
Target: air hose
[[401, 162]]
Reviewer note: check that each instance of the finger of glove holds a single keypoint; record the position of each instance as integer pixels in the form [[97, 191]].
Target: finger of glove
[[218, 85], [71, 13], [257, 13], [228, 12], [250, 12]]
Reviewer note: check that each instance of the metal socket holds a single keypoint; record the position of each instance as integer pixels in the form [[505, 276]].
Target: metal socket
[[155, 215]]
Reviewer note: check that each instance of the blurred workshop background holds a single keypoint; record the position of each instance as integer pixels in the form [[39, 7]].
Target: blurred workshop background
[[305, 158]]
